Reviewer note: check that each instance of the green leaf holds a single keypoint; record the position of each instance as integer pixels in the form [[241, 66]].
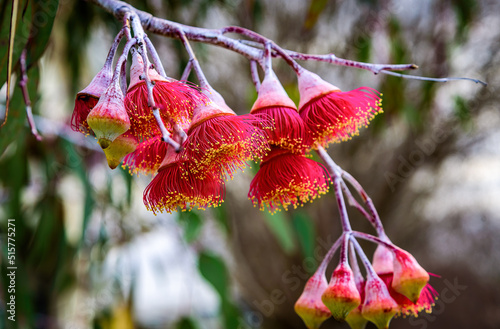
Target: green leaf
[[316, 7], [214, 271], [282, 230], [220, 214], [186, 323], [304, 227], [192, 223], [13, 30], [231, 315], [10, 51], [41, 29]]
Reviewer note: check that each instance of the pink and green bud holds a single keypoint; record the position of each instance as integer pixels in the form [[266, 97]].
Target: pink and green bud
[[309, 305], [409, 277], [378, 306], [109, 118], [341, 296], [121, 146]]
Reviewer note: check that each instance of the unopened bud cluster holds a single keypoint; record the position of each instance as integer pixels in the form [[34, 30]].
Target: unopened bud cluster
[[395, 284]]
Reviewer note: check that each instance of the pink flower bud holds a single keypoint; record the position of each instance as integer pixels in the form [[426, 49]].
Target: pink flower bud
[[341, 296], [119, 148], [378, 306], [272, 93], [409, 277], [109, 119], [88, 98], [309, 305], [383, 260]]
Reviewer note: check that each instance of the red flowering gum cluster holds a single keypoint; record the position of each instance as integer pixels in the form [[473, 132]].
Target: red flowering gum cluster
[[214, 140], [377, 299], [286, 177], [130, 122]]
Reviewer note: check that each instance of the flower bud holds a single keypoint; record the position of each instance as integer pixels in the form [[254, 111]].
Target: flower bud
[[121, 146], [409, 277], [341, 296], [378, 306], [109, 119], [309, 305], [383, 260], [355, 320], [88, 98]]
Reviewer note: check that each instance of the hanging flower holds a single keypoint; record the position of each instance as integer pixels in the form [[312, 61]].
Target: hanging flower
[[147, 157], [285, 178], [175, 100], [406, 307], [341, 296], [219, 141], [174, 187], [87, 99], [273, 103], [409, 277], [355, 319], [332, 115], [109, 119], [119, 148], [378, 305], [309, 305]]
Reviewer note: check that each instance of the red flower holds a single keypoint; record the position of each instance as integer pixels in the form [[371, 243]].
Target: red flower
[[176, 101], [147, 157], [219, 141], [174, 187], [273, 103], [285, 178], [332, 115]]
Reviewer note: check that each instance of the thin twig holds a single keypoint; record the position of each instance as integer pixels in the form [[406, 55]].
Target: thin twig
[[23, 83], [247, 48], [254, 70], [416, 77], [187, 70]]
